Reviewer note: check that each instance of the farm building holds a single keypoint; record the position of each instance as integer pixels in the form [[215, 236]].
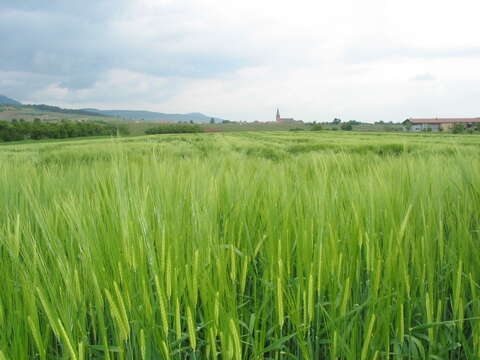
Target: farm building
[[438, 124]]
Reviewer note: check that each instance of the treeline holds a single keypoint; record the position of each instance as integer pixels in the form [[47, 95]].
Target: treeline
[[17, 130], [348, 126], [174, 129]]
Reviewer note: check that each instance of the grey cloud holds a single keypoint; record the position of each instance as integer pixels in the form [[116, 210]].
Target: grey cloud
[[77, 42], [51, 44], [90, 9], [20, 85]]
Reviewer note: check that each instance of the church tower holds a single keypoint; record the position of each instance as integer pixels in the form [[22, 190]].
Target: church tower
[[278, 115]]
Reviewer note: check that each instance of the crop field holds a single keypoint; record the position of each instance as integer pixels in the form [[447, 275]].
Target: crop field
[[271, 245]]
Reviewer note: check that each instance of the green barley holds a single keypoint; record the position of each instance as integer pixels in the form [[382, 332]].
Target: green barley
[[191, 329], [236, 339], [67, 340], [314, 245], [178, 324], [367, 339]]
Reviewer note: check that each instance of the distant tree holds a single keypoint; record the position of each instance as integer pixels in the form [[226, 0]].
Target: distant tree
[[5, 131], [458, 128], [123, 130], [408, 124], [316, 127], [336, 121], [212, 121], [346, 127], [20, 130], [174, 129]]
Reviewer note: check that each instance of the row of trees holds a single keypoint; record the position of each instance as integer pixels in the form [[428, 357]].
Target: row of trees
[[459, 128], [174, 129], [344, 126], [16, 130], [338, 121]]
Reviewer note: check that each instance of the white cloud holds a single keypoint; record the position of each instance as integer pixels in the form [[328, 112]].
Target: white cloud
[[423, 77], [240, 59]]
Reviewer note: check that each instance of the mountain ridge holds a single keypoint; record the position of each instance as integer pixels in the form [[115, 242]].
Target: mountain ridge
[[145, 115], [155, 116], [5, 100]]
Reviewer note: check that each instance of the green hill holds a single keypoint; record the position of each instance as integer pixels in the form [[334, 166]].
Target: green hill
[[46, 113], [155, 116], [13, 109]]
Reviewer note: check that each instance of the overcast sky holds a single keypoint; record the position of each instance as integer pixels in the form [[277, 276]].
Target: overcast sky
[[366, 60]]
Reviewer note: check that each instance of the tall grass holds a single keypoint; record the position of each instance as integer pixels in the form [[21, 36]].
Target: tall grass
[[235, 247]]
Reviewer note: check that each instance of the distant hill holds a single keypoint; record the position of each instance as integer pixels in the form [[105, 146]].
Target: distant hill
[[56, 109], [154, 116], [4, 100], [19, 110], [12, 111], [7, 101]]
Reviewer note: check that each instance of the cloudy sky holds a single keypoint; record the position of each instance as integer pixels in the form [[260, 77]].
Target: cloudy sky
[[366, 60]]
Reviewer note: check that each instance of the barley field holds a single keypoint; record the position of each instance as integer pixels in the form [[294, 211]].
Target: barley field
[[279, 245]]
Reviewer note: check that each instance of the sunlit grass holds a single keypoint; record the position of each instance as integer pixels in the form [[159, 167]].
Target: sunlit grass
[[241, 246]]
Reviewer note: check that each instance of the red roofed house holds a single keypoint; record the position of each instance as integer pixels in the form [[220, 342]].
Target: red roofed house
[[438, 124]]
